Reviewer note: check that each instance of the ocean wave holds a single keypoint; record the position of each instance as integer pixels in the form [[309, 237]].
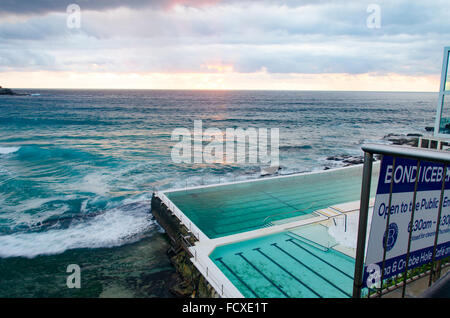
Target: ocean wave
[[115, 227], [98, 183], [295, 147], [34, 152], [8, 150]]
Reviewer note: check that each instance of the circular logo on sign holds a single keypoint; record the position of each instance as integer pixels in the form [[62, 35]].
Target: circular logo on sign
[[392, 233]]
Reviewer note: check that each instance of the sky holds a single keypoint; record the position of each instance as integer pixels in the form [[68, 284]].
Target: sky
[[384, 45]]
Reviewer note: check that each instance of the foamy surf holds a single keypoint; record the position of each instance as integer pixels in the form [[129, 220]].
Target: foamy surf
[[113, 228], [8, 150]]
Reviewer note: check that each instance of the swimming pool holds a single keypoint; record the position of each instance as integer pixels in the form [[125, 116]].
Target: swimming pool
[[299, 263], [239, 207]]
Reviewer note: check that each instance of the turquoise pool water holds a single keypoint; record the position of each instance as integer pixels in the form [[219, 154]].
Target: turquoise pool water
[[235, 208], [299, 264]]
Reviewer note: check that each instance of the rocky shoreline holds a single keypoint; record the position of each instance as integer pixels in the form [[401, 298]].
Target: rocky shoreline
[[394, 139], [10, 92], [190, 282]]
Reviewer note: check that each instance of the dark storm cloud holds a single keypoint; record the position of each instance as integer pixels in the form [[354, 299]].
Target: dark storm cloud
[[47, 6]]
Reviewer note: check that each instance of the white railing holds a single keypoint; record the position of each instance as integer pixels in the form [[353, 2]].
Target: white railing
[[207, 268], [215, 277], [199, 235]]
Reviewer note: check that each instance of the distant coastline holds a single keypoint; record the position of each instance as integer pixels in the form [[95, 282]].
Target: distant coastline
[[8, 91]]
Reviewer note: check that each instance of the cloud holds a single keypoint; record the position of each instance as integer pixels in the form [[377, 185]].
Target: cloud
[[304, 37], [33, 7], [48, 6]]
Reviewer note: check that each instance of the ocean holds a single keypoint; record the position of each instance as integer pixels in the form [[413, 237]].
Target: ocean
[[78, 167]]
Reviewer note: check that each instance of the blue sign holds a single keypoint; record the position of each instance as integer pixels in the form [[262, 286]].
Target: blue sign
[[394, 242], [392, 233]]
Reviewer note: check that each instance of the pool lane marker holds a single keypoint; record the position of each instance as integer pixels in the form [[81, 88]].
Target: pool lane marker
[[262, 274], [312, 270], [258, 249], [235, 275], [320, 258]]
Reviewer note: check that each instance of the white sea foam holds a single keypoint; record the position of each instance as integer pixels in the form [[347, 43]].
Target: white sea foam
[[347, 235], [7, 150], [97, 183], [33, 220], [33, 203], [113, 228], [342, 235]]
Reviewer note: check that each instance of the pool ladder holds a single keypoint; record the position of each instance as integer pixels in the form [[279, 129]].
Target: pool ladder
[[308, 241], [267, 223]]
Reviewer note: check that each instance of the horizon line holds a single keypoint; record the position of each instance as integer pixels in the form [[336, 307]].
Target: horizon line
[[218, 89]]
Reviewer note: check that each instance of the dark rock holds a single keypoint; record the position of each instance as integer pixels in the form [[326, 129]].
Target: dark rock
[[414, 135], [398, 139], [347, 160], [354, 160], [190, 282], [391, 135], [338, 158], [7, 91]]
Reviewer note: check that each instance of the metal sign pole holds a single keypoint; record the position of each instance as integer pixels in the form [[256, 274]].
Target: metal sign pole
[[362, 225], [387, 228], [405, 275], [438, 221]]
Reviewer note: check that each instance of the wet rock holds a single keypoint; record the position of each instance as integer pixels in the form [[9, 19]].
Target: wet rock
[[414, 135], [354, 161], [183, 290], [203, 288], [338, 158], [267, 171], [398, 139], [8, 91], [346, 159]]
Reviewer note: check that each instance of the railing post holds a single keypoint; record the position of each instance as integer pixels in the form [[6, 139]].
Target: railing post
[[380, 291], [413, 210], [438, 221], [362, 225], [345, 225]]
